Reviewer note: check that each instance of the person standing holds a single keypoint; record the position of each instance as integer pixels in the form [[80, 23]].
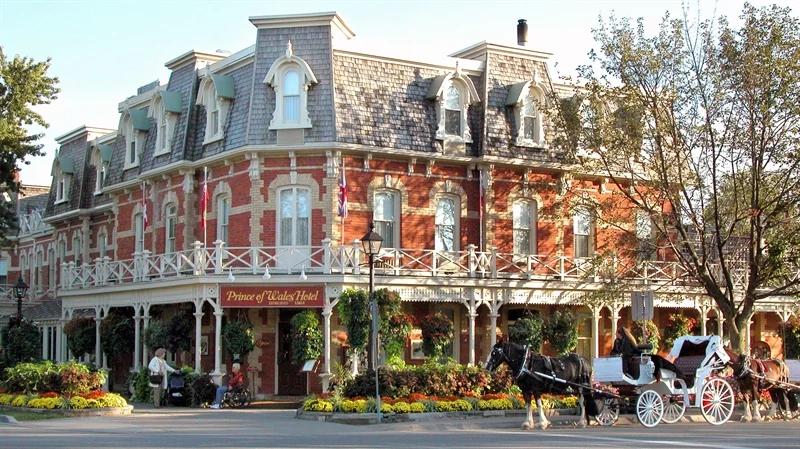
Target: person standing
[[158, 366]]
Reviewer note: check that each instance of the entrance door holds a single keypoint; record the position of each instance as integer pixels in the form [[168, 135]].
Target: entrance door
[[290, 380]]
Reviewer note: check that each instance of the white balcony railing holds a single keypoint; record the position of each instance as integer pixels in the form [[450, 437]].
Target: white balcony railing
[[334, 259]]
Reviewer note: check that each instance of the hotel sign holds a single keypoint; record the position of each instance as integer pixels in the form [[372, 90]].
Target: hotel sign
[[289, 296]]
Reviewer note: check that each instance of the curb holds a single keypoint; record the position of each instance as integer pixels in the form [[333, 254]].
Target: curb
[[8, 419], [371, 418]]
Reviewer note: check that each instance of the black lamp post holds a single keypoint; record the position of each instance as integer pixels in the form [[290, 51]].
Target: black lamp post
[[20, 289], [371, 243]]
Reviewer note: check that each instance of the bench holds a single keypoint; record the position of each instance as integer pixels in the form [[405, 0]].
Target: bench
[[688, 365]]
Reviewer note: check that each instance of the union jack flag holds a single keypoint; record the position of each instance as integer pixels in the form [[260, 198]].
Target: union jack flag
[[342, 194], [204, 197], [144, 205]]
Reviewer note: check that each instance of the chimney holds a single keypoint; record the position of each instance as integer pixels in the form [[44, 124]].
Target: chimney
[[522, 32]]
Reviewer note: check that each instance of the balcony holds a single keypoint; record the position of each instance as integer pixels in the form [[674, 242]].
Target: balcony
[[349, 260]]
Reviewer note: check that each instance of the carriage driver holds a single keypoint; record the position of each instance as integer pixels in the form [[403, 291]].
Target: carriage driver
[[625, 345]]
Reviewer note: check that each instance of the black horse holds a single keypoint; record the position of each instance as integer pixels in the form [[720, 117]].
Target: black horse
[[543, 374]]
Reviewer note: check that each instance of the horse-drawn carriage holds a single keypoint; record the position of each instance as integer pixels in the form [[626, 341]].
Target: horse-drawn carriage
[[664, 390]]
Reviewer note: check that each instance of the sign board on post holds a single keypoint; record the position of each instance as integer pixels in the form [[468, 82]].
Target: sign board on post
[[642, 305]]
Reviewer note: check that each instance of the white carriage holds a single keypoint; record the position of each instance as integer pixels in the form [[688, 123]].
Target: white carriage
[[697, 359]]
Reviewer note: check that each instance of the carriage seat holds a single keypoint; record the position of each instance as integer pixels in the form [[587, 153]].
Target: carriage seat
[[688, 365], [644, 347]]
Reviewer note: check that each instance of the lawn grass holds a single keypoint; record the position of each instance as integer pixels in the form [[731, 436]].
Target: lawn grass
[[26, 416]]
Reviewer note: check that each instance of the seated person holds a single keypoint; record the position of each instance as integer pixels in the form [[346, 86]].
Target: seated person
[[236, 380], [625, 345]]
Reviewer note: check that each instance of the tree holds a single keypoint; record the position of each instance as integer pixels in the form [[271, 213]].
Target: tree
[[21, 343], [698, 129], [23, 84]]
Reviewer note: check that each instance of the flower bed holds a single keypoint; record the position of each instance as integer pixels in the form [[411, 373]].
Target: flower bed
[[50, 401], [419, 403]]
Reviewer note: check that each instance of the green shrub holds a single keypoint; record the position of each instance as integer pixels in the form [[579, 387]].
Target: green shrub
[[307, 338], [238, 337], [201, 389], [527, 331], [141, 386], [393, 325], [155, 335], [117, 335], [81, 335], [21, 343], [77, 378], [437, 334], [353, 310], [33, 377], [561, 331], [179, 333]]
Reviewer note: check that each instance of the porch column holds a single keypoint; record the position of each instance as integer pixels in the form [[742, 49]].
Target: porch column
[[720, 322], [596, 332], [326, 350], [472, 316], [198, 320], [614, 319], [137, 337], [703, 319], [98, 353], [60, 341], [45, 342], [145, 349], [493, 328], [217, 375]]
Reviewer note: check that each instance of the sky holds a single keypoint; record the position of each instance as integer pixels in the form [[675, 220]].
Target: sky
[[102, 51]]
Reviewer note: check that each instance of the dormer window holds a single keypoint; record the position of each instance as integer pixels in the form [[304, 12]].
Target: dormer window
[[101, 157], [63, 169], [164, 109], [134, 126], [527, 99], [291, 78], [453, 93], [216, 94]]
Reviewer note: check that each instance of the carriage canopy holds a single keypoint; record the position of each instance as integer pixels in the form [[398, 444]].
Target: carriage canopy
[[707, 346]]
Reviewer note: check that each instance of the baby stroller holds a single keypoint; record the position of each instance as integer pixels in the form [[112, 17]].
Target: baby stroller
[[176, 389]]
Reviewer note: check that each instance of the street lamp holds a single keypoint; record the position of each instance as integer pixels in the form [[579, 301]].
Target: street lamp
[[20, 289], [371, 243]]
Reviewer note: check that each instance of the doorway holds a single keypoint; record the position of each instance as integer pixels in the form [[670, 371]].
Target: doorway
[[291, 381]]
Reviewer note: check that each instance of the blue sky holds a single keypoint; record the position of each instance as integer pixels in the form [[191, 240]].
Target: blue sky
[[103, 50]]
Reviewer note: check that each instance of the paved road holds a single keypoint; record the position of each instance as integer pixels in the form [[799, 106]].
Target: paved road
[[186, 428]]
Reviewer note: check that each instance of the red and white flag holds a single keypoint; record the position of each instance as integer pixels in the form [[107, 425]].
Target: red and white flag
[[144, 205], [342, 194], [204, 198], [481, 196]]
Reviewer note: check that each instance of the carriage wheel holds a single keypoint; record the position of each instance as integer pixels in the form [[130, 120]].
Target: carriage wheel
[[674, 410], [717, 401], [649, 408], [609, 411]]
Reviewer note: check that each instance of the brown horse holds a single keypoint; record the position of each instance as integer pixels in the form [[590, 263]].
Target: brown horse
[[755, 376]]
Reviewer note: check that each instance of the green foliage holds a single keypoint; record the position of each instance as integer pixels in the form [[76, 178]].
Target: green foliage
[[528, 331], [394, 325], [202, 389], [430, 379], [677, 326], [24, 84], [561, 331], [69, 377], [653, 336], [141, 385], [790, 332], [117, 335], [238, 337], [21, 343], [81, 335], [155, 335], [306, 337], [179, 333], [437, 334], [353, 309]]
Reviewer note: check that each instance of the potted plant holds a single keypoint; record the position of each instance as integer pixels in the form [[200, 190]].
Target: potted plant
[[306, 337], [437, 334], [527, 331], [238, 337], [561, 331]]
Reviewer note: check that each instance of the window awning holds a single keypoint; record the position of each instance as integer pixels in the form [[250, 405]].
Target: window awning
[[139, 119], [516, 93], [105, 152], [172, 101], [224, 86], [65, 163]]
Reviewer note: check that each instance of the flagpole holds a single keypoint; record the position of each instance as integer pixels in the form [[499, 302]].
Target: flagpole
[[343, 216], [481, 202], [205, 206]]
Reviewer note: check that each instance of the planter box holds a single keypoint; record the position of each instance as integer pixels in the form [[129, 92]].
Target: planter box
[[110, 411]]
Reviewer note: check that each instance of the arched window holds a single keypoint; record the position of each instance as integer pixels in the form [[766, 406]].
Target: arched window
[[582, 229], [170, 221], [530, 119], [216, 93], [294, 219], [386, 218], [223, 213], [76, 250], [446, 223], [524, 223], [23, 265], [53, 267], [40, 270], [291, 97], [452, 112]]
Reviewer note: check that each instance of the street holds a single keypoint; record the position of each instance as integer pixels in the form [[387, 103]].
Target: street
[[185, 428]]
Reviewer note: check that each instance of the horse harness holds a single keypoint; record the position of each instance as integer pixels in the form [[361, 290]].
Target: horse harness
[[550, 364]]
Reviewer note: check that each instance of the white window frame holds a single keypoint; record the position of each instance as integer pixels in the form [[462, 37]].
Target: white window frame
[[40, 270], [456, 223], [100, 167], [77, 254], [138, 232], [276, 78], [170, 228], [133, 141], [393, 240], [214, 104], [532, 97], [578, 213], [293, 236], [223, 207], [529, 225], [53, 268], [63, 181], [467, 96], [102, 244], [166, 122]]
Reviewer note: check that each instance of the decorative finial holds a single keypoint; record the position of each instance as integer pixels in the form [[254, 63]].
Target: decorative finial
[[458, 69], [289, 51]]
